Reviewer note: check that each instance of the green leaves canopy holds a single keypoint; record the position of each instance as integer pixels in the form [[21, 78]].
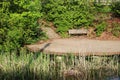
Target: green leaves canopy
[[18, 24]]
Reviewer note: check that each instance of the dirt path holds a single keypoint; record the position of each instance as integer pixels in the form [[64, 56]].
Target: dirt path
[[78, 47], [50, 33]]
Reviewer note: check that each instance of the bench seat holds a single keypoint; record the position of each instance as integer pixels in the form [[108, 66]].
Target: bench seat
[[78, 31]]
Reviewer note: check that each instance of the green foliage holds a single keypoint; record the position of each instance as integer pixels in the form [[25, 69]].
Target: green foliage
[[100, 28], [19, 27], [68, 14], [18, 24], [116, 8], [33, 6], [102, 8], [116, 30]]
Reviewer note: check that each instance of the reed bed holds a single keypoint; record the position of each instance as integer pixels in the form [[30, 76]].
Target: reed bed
[[40, 66]]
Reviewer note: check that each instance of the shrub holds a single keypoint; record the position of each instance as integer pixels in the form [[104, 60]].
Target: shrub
[[116, 8], [116, 30], [100, 28], [102, 8], [19, 27], [68, 14]]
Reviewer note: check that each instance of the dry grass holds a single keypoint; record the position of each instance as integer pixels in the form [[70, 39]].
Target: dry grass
[[40, 66]]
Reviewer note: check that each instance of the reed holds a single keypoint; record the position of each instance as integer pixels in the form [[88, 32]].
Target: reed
[[40, 66]]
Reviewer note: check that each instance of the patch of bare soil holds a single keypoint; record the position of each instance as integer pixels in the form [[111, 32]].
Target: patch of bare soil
[[113, 20], [107, 36]]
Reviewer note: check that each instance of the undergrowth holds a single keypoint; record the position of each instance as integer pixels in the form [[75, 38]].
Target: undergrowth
[[116, 29]]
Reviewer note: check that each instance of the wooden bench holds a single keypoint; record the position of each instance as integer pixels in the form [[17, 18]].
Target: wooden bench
[[78, 32]]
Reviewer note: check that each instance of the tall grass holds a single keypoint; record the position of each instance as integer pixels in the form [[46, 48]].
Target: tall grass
[[40, 66]]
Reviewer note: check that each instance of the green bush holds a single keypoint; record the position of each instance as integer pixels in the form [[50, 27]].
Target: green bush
[[100, 28], [68, 14], [102, 8], [116, 30], [116, 8], [19, 27]]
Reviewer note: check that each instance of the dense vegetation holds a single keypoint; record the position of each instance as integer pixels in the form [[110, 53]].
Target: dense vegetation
[[20, 25], [116, 8], [19, 19], [39, 66], [66, 14]]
